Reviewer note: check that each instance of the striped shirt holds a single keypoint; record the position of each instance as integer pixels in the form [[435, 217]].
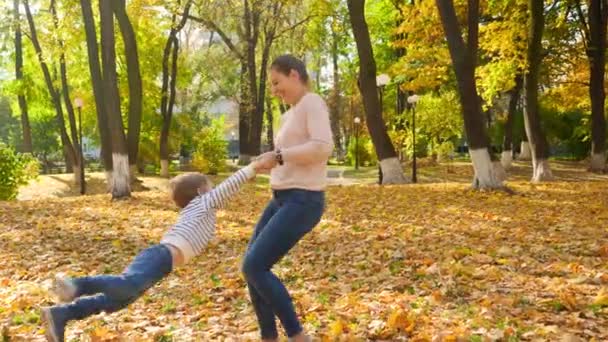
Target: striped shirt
[[195, 226]]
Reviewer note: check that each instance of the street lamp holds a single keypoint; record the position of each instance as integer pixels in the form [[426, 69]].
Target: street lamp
[[357, 124], [233, 135], [381, 81], [413, 99], [78, 102]]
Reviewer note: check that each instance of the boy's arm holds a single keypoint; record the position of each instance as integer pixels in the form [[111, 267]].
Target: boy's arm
[[219, 196]]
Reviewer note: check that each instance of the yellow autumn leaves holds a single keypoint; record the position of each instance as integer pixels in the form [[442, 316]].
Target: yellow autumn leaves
[[418, 262]]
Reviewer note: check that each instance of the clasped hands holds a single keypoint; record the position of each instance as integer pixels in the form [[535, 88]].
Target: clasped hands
[[264, 162]]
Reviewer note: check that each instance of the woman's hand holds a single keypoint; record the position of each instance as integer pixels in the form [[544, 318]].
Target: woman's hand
[[264, 162]]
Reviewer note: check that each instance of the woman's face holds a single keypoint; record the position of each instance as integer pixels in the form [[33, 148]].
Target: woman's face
[[287, 87]]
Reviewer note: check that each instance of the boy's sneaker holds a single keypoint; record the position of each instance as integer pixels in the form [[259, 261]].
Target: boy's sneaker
[[54, 320], [306, 338], [64, 288]]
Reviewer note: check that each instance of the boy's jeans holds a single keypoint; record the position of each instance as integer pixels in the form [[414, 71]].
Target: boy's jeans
[[111, 293], [287, 218]]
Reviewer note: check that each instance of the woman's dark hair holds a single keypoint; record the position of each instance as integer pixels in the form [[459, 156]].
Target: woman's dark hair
[[285, 63]]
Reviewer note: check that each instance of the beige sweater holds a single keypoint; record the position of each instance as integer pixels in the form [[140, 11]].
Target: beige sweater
[[306, 142]]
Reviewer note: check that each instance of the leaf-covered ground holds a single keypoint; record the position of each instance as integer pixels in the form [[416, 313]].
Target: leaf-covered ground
[[417, 262]]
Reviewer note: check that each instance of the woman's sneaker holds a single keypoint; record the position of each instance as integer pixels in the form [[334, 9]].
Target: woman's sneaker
[[64, 288], [54, 319]]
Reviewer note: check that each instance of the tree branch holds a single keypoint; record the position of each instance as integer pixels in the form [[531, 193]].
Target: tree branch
[[212, 26], [294, 26], [182, 22], [582, 21]]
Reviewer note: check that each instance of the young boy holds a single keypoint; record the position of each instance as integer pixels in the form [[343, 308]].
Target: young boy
[[195, 226]]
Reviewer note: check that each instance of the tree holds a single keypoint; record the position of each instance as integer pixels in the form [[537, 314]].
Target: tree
[[65, 91], [25, 121], [536, 136], [135, 83], [169, 79], [98, 87], [392, 172], [54, 93], [120, 185], [594, 31], [507, 143], [464, 58], [259, 22]]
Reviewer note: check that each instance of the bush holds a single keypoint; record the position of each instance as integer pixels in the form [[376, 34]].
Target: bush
[[15, 170], [211, 149], [367, 153]]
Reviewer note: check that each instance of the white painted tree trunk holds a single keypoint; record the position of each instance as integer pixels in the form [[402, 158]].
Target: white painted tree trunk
[[164, 168], [506, 158], [120, 176], [133, 173], [485, 174], [541, 170], [392, 172], [499, 171], [526, 152], [109, 180], [77, 170], [598, 162], [244, 159]]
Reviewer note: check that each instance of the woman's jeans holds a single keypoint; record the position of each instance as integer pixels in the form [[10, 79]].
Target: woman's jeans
[[288, 217]]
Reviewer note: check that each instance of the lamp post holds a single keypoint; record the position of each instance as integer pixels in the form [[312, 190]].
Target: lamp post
[[381, 81], [233, 135], [78, 102], [357, 124], [413, 99]]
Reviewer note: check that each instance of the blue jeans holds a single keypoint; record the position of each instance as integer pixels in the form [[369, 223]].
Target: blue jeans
[[110, 293], [287, 218]]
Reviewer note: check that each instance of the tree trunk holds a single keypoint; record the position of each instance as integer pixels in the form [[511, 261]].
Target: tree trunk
[[525, 152], [134, 76], [169, 80], [507, 143], [97, 84], [120, 184], [596, 52], [258, 118], [536, 136], [463, 58], [65, 90], [244, 117], [55, 96], [270, 120], [25, 120], [168, 101], [255, 105], [335, 97], [164, 107], [392, 173]]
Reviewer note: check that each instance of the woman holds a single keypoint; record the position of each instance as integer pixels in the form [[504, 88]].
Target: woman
[[298, 177]]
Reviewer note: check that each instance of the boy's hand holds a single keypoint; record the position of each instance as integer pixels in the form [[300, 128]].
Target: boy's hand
[[264, 162]]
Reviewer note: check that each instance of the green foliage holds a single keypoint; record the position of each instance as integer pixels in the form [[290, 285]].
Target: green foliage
[[367, 153], [439, 125], [567, 132], [45, 139], [15, 170], [9, 126], [211, 148]]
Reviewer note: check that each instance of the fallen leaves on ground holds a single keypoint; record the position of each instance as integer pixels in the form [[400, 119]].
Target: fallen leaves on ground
[[432, 262]]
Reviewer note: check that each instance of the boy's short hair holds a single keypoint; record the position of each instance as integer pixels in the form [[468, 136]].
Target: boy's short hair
[[185, 187]]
